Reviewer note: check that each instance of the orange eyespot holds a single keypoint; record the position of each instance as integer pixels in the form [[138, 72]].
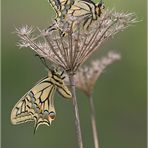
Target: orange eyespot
[[52, 115]]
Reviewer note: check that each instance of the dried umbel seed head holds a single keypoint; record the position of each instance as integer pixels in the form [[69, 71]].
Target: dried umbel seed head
[[73, 49], [87, 76]]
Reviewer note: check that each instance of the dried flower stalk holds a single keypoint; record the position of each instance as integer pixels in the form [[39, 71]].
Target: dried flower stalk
[[85, 80], [72, 50]]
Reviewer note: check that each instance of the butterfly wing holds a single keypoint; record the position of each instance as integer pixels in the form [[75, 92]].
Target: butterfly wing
[[81, 8], [62, 89], [61, 6], [85, 9], [56, 5], [36, 105]]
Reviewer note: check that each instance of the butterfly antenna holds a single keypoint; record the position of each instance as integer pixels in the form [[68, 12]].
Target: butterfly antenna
[[43, 61], [62, 72], [56, 69]]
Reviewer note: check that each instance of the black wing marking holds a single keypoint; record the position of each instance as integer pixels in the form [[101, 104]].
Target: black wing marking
[[37, 105], [61, 6]]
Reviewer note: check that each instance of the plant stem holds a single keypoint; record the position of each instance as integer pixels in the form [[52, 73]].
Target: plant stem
[[93, 121], [75, 106]]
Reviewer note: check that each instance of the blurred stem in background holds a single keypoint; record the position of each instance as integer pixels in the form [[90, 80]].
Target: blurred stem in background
[[86, 79], [93, 121]]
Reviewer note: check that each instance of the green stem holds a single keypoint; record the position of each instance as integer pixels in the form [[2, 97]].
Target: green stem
[[93, 121], [76, 111]]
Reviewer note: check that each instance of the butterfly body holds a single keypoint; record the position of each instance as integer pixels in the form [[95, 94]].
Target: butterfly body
[[38, 103]]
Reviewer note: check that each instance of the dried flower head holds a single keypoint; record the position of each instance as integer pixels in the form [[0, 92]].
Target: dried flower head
[[73, 49], [86, 76]]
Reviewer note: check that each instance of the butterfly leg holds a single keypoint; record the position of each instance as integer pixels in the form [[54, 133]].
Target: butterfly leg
[[87, 22], [51, 28], [43, 61]]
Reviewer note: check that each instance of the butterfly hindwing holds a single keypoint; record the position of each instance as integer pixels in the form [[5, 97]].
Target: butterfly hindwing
[[38, 103]]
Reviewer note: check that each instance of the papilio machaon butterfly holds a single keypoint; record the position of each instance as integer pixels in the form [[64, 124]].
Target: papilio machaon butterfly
[[38, 103], [77, 8]]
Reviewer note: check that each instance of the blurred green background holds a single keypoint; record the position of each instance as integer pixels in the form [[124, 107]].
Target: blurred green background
[[119, 95]]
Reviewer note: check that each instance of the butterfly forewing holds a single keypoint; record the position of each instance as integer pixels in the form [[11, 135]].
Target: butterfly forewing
[[87, 10], [61, 6], [56, 5]]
